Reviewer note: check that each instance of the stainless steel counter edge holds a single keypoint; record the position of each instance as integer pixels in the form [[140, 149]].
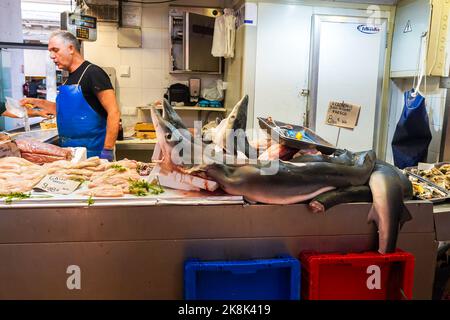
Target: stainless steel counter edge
[[114, 223], [442, 221]]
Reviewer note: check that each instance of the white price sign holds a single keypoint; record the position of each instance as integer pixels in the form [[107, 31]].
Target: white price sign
[[58, 185]]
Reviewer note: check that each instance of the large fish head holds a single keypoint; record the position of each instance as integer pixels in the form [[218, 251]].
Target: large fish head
[[172, 140], [238, 117], [170, 115], [230, 133]]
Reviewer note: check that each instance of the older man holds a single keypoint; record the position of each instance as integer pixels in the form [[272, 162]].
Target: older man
[[86, 109]]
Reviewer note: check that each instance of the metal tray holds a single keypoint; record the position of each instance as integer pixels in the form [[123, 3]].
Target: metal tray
[[437, 166], [431, 184], [310, 139]]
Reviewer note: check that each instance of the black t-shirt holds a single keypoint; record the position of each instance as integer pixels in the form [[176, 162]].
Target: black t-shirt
[[94, 80]]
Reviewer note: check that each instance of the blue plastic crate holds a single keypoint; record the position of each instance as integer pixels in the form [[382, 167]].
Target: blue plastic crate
[[261, 279]]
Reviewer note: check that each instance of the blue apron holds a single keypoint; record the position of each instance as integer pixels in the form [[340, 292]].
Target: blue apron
[[78, 124], [412, 135]]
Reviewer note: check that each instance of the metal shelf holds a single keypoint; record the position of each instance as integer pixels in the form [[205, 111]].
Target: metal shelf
[[189, 108], [194, 72]]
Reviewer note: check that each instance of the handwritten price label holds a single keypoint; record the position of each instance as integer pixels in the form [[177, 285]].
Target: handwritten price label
[[341, 114], [57, 185]]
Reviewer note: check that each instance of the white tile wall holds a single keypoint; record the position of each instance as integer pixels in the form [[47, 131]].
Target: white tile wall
[[152, 17], [131, 57], [153, 58], [130, 96], [133, 81], [150, 95], [165, 39], [107, 38], [152, 38], [154, 79], [104, 56]]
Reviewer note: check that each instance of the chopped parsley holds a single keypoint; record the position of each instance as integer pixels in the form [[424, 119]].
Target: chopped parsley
[[119, 167], [142, 188], [90, 201], [9, 197]]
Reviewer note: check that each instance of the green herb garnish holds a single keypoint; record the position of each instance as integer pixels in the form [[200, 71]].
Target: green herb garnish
[[90, 201], [9, 197], [142, 188], [81, 180], [119, 167]]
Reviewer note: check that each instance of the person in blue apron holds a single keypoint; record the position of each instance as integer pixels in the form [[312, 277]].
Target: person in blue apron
[[86, 109]]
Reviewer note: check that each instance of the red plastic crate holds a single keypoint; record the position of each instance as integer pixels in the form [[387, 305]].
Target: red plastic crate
[[348, 276]]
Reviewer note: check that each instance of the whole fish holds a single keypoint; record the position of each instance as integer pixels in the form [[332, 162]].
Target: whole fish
[[181, 152], [170, 115], [339, 157], [332, 198], [291, 183], [230, 133]]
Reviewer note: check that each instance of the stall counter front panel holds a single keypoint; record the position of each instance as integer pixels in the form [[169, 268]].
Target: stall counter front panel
[[137, 252]]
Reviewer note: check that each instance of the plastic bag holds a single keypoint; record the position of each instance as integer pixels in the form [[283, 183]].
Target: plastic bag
[[214, 93], [14, 107]]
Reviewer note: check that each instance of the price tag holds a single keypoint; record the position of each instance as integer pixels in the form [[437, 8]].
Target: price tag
[[58, 185], [341, 114], [425, 166]]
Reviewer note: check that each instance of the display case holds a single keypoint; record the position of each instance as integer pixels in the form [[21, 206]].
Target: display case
[[191, 36]]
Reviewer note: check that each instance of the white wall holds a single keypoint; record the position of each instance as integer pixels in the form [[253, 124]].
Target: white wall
[[282, 61], [149, 65], [11, 31], [34, 62], [10, 21]]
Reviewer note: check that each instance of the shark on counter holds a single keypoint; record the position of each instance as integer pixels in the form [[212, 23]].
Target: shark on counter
[[346, 175]]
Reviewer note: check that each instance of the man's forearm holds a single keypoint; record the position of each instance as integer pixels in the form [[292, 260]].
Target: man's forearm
[[112, 129]]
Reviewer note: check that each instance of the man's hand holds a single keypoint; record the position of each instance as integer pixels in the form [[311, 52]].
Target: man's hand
[[45, 108], [31, 102]]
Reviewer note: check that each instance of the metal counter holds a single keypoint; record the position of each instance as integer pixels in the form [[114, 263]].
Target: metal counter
[[137, 252], [48, 136], [442, 221]]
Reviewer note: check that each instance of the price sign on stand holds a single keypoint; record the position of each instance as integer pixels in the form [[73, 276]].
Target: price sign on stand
[[58, 185], [342, 115]]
